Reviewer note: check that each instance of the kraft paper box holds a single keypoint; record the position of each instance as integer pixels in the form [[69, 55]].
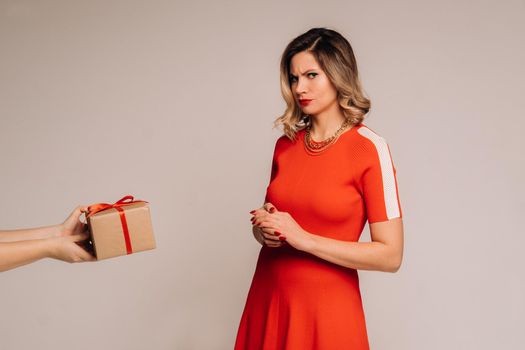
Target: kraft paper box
[[121, 230]]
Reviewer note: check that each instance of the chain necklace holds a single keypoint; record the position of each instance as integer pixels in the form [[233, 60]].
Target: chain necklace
[[315, 147]]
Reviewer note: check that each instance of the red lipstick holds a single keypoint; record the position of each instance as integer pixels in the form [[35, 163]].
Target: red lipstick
[[304, 102]]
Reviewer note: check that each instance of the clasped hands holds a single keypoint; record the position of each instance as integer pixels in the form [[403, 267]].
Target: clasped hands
[[275, 228]]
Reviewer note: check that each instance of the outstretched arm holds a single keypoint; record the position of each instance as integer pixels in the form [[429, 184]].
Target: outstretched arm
[[70, 226], [21, 247], [15, 254], [29, 233]]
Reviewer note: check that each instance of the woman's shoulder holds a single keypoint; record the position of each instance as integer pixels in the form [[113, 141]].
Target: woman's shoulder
[[369, 146], [284, 139], [369, 137]]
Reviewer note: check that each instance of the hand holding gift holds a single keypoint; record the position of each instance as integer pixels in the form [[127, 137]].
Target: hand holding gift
[[71, 238], [62, 241]]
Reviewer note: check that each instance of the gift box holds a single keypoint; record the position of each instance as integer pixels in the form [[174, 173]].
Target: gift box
[[121, 228]]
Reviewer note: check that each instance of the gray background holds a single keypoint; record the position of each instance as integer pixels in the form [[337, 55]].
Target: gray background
[[173, 102]]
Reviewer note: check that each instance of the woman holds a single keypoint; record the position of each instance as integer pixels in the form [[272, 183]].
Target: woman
[[62, 242], [330, 174]]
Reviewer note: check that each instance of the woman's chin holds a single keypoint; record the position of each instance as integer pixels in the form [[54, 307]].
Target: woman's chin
[[308, 110]]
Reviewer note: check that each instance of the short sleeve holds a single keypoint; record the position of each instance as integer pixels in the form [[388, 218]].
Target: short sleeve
[[379, 182], [272, 176], [273, 171]]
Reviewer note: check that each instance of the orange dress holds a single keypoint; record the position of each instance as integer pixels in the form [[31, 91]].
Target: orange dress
[[298, 301]]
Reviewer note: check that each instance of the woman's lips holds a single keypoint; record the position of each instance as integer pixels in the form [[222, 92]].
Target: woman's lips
[[305, 102]]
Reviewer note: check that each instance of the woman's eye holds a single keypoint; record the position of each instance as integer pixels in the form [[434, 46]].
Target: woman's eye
[[294, 79]]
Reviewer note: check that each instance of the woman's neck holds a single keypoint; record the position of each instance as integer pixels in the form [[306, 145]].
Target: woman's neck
[[325, 124]]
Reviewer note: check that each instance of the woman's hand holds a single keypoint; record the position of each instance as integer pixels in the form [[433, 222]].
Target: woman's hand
[[72, 225], [71, 243], [278, 225], [265, 237], [67, 248]]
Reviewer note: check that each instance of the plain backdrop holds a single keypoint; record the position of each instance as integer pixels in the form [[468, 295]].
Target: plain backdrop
[[173, 102]]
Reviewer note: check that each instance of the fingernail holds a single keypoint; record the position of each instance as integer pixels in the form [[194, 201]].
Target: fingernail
[[272, 209], [253, 211], [282, 238], [277, 233]]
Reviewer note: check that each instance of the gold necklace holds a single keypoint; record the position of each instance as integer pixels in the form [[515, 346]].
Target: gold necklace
[[316, 147]]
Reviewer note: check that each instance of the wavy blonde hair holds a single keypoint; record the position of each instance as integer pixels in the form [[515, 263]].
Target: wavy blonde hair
[[336, 58]]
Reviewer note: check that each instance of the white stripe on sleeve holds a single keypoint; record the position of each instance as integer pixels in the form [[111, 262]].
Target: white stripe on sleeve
[[387, 171]]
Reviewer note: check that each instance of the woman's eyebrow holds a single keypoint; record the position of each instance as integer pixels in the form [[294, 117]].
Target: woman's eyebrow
[[306, 72]]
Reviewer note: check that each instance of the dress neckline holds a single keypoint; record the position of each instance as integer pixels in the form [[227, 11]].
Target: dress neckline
[[352, 130]]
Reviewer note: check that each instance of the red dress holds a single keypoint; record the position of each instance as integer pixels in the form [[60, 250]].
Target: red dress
[[298, 301]]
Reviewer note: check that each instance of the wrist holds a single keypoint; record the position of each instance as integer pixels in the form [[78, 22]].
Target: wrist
[[309, 242], [58, 231], [51, 231], [49, 245]]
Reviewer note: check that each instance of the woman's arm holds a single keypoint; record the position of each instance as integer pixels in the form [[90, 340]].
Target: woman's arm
[[384, 253], [21, 247], [70, 226], [15, 254], [30, 233]]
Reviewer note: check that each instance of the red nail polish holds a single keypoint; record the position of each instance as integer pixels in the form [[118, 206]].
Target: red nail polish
[[272, 209], [277, 233], [253, 211], [282, 238]]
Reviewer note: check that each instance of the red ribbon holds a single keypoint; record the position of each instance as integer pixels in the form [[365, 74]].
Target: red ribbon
[[124, 201]]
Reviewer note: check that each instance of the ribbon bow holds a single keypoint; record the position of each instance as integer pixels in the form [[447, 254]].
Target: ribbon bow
[[124, 201]]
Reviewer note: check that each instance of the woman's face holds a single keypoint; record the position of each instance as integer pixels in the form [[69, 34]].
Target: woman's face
[[309, 82]]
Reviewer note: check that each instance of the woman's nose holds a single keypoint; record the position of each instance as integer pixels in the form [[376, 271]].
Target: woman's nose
[[300, 87]]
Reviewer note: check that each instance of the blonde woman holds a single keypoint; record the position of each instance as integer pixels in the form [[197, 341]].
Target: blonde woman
[[61, 242], [330, 175]]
